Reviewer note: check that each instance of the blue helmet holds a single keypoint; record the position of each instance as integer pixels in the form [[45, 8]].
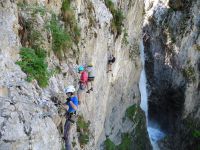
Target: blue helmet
[[80, 68]]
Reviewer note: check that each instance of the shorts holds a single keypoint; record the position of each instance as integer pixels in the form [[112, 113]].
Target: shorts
[[90, 79], [110, 62], [72, 117]]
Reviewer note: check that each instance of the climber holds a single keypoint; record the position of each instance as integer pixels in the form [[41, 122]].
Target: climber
[[71, 105], [83, 82], [111, 60], [91, 77]]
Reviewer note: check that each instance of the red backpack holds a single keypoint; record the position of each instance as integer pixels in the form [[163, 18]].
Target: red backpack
[[84, 77]]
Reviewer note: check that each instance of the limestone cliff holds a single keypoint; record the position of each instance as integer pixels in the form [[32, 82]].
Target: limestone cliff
[[171, 40], [29, 115]]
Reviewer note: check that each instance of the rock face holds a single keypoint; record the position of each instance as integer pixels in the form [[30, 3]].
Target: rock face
[[29, 117], [172, 48]]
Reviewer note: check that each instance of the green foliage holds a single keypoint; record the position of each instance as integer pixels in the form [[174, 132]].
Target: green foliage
[[193, 126], [130, 112], [73, 143], [83, 128], [34, 9], [141, 135], [61, 39], [196, 133], [124, 145], [34, 65], [118, 21], [65, 5], [70, 21], [110, 5], [126, 142], [118, 17], [33, 57], [109, 145], [189, 73]]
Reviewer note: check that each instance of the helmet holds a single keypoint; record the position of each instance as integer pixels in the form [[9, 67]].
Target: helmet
[[81, 68], [90, 65], [70, 89]]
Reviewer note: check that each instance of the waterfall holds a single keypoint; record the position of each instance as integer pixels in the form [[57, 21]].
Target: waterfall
[[155, 134]]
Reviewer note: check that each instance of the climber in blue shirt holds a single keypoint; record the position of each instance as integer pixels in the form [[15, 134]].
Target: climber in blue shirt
[[71, 105], [71, 101]]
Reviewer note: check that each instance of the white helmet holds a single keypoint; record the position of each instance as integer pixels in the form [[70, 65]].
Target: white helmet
[[70, 89]]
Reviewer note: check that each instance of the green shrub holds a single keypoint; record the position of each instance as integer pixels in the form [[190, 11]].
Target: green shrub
[[109, 145], [83, 128], [73, 143], [189, 73], [70, 21], [34, 65], [124, 145], [34, 9], [118, 20], [196, 133], [65, 5], [110, 5], [60, 39], [118, 17], [140, 133], [130, 112], [126, 142]]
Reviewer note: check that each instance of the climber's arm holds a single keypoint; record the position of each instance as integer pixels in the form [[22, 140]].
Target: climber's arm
[[64, 106], [73, 105]]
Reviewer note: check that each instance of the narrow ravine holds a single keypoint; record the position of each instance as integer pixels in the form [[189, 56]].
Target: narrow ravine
[[153, 130]]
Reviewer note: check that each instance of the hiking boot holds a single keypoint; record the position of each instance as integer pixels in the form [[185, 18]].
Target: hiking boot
[[91, 89]]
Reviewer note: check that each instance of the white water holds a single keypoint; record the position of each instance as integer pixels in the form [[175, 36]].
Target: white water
[[153, 130]]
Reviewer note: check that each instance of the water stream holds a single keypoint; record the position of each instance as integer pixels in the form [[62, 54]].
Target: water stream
[[155, 134]]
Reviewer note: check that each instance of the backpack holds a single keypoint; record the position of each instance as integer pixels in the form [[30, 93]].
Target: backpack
[[90, 72], [84, 77]]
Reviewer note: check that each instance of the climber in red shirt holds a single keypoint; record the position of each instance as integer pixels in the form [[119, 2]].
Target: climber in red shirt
[[83, 83]]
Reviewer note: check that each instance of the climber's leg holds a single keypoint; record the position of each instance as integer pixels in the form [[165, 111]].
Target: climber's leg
[[66, 133]]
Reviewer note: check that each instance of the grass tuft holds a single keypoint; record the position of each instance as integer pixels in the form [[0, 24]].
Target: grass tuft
[[34, 65], [109, 145], [189, 73], [83, 128], [130, 112], [118, 17], [61, 40]]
